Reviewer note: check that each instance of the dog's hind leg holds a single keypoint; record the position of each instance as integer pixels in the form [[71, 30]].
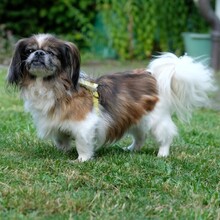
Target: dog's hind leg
[[164, 149], [138, 135], [164, 131]]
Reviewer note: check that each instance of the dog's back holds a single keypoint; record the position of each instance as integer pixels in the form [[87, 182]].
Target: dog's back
[[126, 97]]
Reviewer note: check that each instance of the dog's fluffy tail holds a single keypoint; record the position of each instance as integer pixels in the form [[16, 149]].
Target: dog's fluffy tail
[[183, 83]]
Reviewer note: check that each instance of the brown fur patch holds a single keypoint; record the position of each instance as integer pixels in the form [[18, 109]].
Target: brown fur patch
[[71, 104], [79, 106], [126, 97]]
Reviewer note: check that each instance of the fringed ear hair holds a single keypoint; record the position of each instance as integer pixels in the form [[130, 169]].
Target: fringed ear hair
[[15, 70], [73, 62]]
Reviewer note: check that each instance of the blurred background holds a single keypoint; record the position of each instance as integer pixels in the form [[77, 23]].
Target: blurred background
[[103, 29]]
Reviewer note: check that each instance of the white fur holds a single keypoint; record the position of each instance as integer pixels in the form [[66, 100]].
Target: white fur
[[41, 38], [183, 85], [38, 98]]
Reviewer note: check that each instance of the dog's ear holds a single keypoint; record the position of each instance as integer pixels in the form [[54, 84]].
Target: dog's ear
[[15, 70], [73, 62]]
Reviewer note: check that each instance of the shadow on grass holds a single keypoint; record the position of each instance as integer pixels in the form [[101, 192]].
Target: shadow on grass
[[116, 150], [48, 151]]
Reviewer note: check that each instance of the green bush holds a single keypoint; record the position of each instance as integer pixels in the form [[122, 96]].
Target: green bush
[[72, 19], [139, 27]]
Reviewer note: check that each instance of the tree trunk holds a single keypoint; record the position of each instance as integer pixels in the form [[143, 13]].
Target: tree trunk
[[213, 20]]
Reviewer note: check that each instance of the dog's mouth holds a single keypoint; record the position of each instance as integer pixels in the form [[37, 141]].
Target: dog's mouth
[[38, 68], [37, 64]]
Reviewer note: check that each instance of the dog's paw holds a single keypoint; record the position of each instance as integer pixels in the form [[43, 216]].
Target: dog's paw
[[132, 148], [82, 158], [127, 149], [163, 153]]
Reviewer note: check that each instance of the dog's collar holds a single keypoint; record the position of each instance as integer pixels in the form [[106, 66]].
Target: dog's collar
[[92, 87]]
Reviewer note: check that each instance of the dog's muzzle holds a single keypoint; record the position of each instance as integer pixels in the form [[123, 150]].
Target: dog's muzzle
[[38, 59]]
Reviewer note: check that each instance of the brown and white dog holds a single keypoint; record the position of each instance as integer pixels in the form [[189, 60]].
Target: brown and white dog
[[66, 104]]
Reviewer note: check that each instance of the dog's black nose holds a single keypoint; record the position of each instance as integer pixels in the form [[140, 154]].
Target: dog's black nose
[[39, 53]]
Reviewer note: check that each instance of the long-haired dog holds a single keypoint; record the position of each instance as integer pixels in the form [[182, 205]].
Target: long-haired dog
[[67, 105]]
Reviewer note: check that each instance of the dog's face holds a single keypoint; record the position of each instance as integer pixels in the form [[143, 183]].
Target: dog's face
[[44, 56]]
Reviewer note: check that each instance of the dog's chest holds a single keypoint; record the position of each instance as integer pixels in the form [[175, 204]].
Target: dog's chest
[[38, 98], [40, 101]]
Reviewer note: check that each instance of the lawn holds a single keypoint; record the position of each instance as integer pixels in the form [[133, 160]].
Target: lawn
[[38, 182]]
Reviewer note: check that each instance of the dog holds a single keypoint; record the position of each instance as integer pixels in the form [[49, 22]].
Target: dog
[[67, 104]]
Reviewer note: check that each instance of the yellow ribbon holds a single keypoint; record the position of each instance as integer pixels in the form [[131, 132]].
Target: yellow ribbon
[[93, 88]]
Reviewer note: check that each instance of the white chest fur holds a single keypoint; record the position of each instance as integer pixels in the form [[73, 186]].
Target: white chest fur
[[38, 98]]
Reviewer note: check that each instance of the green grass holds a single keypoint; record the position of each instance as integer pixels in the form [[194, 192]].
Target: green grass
[[38, 182]]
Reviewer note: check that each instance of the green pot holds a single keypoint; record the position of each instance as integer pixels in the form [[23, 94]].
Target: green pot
[[197, 45]]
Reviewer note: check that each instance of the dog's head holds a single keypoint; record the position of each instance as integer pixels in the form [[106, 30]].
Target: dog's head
[[44, 56]]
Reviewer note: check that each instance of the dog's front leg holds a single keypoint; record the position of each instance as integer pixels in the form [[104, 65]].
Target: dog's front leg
[[86, 136], [85, 148]]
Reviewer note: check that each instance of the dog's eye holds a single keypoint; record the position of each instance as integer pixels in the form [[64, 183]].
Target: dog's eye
[[29, 51], [51, 53]]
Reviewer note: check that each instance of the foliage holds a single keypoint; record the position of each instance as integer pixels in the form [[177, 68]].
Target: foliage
[[7, 42], [137, 28], [39, 182], [72, 19], [171, 25], [131, 32], [127, 29]]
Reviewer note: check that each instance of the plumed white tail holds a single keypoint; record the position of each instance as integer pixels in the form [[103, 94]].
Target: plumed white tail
[[183, 83]]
